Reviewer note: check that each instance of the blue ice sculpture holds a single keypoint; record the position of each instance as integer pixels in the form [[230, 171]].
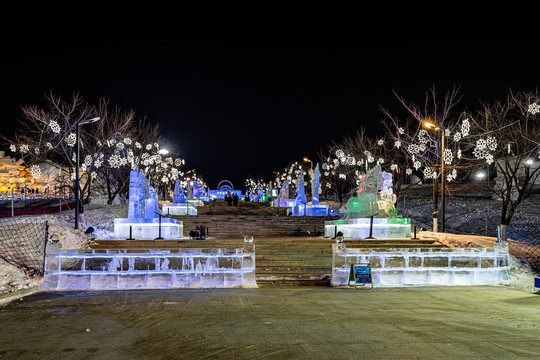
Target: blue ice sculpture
[[144, 221], [301, 207], [179, 197]]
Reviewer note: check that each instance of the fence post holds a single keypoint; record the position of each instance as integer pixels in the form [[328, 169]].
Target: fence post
[[12, 210]]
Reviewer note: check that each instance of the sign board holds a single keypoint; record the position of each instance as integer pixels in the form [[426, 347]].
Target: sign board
[[360, 275]]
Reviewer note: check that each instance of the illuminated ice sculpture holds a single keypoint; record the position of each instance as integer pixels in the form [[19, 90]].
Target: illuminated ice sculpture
[[180, 205], [301, 206], [424, 266], [120, 269], [144, 221], [370, 212]]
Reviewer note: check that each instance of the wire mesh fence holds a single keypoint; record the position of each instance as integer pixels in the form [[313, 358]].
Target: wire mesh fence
[[480, 218], [524, 244], [22, 243]]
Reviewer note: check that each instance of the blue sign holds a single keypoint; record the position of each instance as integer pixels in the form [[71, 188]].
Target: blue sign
[[362, 274], [537, 282]]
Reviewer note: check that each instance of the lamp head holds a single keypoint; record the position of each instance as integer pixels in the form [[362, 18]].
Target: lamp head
[[430, 125], [89, 121]]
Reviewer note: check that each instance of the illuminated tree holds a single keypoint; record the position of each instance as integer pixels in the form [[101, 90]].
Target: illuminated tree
[[506, 134], [423, 147]]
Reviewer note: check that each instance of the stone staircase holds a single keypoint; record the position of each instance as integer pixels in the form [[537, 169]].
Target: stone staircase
[[261, 225], [297, 261]]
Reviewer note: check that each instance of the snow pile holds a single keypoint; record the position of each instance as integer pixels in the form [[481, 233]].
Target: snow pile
[[14, 279]]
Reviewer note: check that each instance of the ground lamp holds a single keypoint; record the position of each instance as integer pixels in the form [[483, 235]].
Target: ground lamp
[[77, 182], [432, 126]]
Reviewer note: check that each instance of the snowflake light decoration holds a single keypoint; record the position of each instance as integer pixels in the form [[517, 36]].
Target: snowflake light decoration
[[380, 142], [12, 147], [23, 148], [428, 173], [149, 147], [459, 153], [481, 144], [88, 160], [480, 153], [119, 145], [54, 126], [115, 161], [71, 139], [177, 162], [413, 149], [36, 150], [457, 136], [49, 145], [408, 171], [127, 141], [340, 153], [35, 171], [417, 165], [397, 144], [138, 145], [465, 127], [393, 167], [491, 143], [534, 108], [401, 131], [447, 156]]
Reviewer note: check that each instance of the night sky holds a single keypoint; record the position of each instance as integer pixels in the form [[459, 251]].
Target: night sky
[[240, 96]]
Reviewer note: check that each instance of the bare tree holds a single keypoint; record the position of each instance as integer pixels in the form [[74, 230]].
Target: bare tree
[[506, 134], [423, 148], [50, 134], [122, 135]]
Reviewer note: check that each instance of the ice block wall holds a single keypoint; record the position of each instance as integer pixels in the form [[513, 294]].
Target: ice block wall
[[424, 266], [101, 269]]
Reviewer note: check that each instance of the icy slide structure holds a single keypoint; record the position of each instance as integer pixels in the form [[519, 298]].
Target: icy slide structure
[[423, 267], [106, 269]]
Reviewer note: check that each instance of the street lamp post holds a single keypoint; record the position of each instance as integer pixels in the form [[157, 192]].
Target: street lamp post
[[77, 183], [310, 163], [432, 126]]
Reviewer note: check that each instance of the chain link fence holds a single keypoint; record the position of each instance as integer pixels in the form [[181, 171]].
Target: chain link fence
[[22, 243], [524, 244], [480, 217]]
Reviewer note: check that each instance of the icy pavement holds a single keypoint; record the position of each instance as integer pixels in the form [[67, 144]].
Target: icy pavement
[[280, 323]]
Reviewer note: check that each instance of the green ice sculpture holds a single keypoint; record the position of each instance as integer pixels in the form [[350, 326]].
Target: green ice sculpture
[[374, 196]]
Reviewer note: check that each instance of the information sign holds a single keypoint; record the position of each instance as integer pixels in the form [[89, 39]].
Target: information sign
[[360, 275]]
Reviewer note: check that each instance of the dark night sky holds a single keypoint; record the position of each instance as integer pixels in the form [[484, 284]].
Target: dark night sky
[[245, 96]]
